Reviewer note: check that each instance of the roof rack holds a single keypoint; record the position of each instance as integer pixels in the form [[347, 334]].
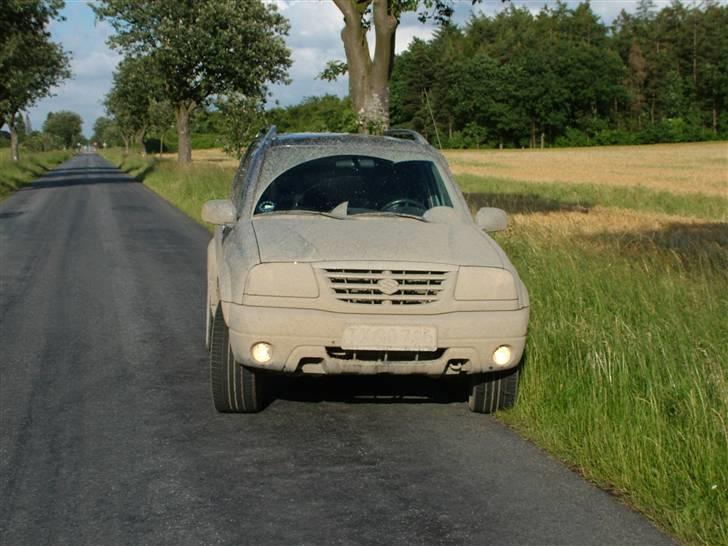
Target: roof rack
[[406, 133]]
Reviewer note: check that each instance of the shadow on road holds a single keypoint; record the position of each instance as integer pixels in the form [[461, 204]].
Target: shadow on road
[[372, 389], [60, 178]]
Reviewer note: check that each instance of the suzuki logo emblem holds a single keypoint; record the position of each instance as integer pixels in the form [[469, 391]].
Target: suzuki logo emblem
[[387, 286]]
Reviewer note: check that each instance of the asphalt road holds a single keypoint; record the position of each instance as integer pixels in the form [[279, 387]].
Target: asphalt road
[[108, 435]]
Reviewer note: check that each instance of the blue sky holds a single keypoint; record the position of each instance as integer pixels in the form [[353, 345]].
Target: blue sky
[[314, 40]]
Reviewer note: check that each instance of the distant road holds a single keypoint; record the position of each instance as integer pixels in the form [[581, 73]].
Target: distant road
[[108, 435]]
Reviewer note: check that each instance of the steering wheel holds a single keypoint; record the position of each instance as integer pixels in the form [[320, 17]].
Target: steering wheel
[[403, 203]]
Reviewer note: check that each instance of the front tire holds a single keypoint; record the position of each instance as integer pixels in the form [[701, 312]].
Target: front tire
[[235, 388], [493, 391]]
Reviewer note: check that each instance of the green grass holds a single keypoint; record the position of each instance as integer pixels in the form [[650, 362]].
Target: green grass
[[188, 188], [14, 175], [627, 372], [514, 195]]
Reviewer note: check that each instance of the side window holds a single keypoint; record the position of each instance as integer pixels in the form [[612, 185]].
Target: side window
[[236, 194]]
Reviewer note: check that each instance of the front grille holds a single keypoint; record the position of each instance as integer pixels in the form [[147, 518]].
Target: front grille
[[386, 287]]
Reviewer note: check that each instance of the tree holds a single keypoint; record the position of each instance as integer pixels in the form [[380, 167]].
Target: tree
[[65, 125], [106, 132], [135, 86], [202, 49], [242, 118], [161, 117], [369, 74], [30, 64]]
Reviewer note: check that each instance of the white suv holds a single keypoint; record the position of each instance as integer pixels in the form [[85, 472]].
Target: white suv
[[352, 254]]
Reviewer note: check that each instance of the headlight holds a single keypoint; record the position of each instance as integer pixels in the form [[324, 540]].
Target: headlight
[[282, 279], [502, 355], [485, 283], [262, 352]]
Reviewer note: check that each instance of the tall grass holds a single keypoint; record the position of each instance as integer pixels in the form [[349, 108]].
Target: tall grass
[[14, 175], [626, 377], [627, 373]]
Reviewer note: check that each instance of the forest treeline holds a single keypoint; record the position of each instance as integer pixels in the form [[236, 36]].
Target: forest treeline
[[562, 77]]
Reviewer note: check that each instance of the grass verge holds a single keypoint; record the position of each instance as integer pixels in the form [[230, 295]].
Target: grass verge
[[187, 188], [627, 376], [16, 174]]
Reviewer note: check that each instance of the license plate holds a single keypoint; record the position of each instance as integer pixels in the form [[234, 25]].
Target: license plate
[[390, 338]]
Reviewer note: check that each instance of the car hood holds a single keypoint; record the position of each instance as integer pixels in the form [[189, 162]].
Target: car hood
[[283, 239]]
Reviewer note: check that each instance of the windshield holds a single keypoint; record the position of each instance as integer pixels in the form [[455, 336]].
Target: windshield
[[356, 184]]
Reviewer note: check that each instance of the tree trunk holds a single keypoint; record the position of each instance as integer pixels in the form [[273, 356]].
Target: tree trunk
[[715, 119], [532, 143], [543, 137], [161, 143], [12, 125], [184, 148], [695, 53], [140, 142], [369, 78], [126, 144]]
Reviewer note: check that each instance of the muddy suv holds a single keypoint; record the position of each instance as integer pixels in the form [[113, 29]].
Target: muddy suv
[[353, 254]]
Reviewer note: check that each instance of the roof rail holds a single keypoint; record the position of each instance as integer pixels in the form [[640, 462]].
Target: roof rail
[[406, 133], [268, 133]]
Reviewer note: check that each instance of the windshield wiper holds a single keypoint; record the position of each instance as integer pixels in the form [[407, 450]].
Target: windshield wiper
[[302, 211], [389, 213]]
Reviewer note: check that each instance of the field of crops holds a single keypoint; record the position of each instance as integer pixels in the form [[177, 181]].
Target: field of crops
[[625, 253]]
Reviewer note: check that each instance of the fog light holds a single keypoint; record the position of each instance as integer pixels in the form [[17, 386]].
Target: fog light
[[502, 355], [262, 352]]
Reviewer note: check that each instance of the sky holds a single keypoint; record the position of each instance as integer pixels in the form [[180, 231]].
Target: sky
[[313, 39]]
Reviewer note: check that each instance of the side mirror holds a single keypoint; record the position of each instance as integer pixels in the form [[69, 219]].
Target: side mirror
[[219, 211], [491, 219]]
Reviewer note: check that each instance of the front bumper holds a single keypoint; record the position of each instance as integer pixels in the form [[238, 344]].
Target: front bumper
[[309, 341]]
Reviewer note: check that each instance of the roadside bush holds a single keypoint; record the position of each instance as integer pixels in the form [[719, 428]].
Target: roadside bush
[[42, 142]]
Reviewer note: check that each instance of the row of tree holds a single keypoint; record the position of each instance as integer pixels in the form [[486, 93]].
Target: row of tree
[[563, 77], [61, 130], [30, 63], [180, 57]]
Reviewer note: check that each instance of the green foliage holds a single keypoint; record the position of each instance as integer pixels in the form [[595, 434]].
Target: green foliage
[[65, 125], [42, 142], [564, 77], [203, 48], [30, 63], [333, 70], [315, 114], [135, 88], [241, 117], [106, 132]]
